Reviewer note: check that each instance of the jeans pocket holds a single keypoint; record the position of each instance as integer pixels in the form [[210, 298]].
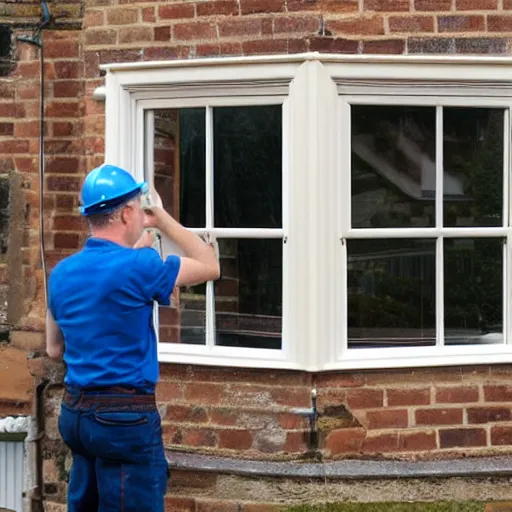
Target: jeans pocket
[[120, 419]]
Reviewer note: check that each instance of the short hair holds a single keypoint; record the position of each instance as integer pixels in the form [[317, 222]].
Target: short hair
[[102, 220]]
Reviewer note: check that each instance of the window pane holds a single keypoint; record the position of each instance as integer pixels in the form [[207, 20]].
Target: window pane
[[391, 293], [473, 291], [185, 320], [248, 166], [248, 297], [393, 166], [180, 163], [473, 166]]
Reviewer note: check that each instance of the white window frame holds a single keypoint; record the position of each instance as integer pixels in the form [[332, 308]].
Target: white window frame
[[316, 180]]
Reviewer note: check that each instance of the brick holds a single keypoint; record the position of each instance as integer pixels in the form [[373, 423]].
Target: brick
[[187, 414], [488, 414], [344, 380], [302, 24], [387, 419], [223, 417], [265, 6], [67, 89], [209, 394], [345, 441], [433, 5], [411, 24], [7, 110], [296, 442], [235, 439], [457, 395], [291, 421], [497, 393], [61, 49], [7, 89], [364, 26], [63, 183], [94, 18], [417, 441], [431, 45], [176, 504], [67, 70], [162, 33], [462, 437], [216, 506], [148, 15], [193, 480], [380, 443], [135, 34], [507, 4], [499, 23], [386, 46], [100, 37], [200, 437], [66, 241], [217, 8], [122, 16], [194, 31], [63, 109], [503, 506], [292, 397], [386, 5], [501, 435], [169, 391], [239, 27], [365, 398], [6, 129], [460, 23], [261, 507], [420, 396], [176, 11], [476, 5], [14, 146], [438, 416], [257, 47], [62, 165], [482, 45]]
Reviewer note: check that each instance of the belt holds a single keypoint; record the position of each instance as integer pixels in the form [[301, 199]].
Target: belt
[[108, 396]]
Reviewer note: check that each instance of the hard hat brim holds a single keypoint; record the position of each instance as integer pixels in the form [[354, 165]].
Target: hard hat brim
[[111, 204]]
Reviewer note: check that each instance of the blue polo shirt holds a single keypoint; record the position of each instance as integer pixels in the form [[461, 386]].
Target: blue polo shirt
[[102, 300]]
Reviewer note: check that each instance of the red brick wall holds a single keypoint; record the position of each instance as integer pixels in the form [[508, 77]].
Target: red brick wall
[[427, 412]]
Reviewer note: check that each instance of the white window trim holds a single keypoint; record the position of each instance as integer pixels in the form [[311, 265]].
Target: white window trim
[[315, 128]]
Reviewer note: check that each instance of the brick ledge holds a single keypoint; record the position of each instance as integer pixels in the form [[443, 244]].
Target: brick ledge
[[345, 469]]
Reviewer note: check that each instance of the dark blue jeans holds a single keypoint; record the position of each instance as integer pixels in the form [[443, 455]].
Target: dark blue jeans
[[119, 463]]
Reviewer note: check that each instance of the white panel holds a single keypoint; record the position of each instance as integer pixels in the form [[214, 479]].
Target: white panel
[[11, 475]]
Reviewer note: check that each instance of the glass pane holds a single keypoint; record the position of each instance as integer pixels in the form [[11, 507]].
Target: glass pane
[[473, 166], [180, 163], [248, 166], [473, 290], [248, 297], [391, 293], [393, 166], [185, 320]]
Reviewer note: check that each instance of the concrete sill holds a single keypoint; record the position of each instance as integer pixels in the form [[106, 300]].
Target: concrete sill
[[343, 469]]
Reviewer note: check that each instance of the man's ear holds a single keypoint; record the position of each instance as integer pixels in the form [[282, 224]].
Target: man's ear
[[126, 214]]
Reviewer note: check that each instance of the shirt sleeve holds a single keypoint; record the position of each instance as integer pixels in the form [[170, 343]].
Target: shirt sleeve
[[158, 277]]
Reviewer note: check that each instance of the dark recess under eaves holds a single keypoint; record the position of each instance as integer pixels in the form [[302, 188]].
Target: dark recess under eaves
[[5, 49]]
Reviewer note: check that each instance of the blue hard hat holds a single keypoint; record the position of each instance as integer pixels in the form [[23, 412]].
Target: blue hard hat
[[106, 188]]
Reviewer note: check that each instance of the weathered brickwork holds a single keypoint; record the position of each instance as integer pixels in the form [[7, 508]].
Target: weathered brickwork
[[243, 413]]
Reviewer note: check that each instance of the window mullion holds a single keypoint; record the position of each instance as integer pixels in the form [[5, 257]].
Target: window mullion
[[439, 224], [507, 248], [210, 294]]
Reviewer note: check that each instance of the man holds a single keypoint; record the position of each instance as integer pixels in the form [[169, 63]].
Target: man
[[100, 320]]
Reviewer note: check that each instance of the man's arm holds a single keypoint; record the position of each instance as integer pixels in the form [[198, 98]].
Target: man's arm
[[54, 338], [200, 263]]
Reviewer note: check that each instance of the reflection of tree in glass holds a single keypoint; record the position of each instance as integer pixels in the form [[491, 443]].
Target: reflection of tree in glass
[[473, 152]]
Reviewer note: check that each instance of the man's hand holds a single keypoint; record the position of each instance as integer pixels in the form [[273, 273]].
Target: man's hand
[[153, 216], [146, 240]]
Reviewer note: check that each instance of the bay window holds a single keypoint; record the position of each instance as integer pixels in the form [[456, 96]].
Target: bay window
[[360, 205]]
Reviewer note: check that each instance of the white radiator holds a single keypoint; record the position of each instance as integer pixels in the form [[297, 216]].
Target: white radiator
[[11, 475]]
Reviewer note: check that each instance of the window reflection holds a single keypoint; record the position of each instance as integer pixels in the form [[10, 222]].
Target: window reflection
[[391, 293], [393, 166]]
